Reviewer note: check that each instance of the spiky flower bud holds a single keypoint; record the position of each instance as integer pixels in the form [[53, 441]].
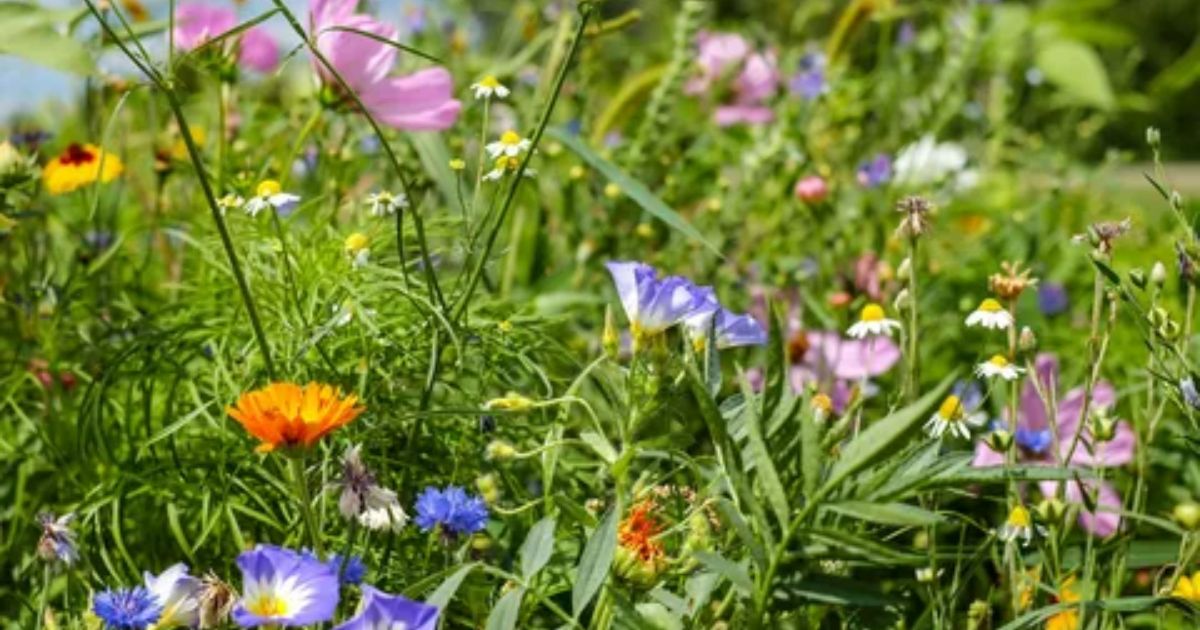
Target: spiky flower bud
[[1138, 277], [1187, 514], [1153, 137], [1158, 274]]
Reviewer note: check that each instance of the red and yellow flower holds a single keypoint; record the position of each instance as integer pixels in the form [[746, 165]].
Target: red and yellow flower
[[288, 415], [640, 557], [78, 166]]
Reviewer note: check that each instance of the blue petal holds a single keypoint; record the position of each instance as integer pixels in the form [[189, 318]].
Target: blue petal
[[738, 330]]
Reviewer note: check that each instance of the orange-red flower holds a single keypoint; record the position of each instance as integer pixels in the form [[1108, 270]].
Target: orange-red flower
[[288, 415], [638, 531]]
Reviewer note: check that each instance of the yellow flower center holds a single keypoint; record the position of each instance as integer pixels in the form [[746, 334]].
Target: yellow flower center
[[510, 138], [1019, 517], [951, 409], [999, 361], [357, 242], [267, 605], [457, 164], [822, 403], [489, 82], [268, 187], [990, 306], [872, 313]]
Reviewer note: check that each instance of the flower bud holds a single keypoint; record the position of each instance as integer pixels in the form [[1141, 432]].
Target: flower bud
[[812, 189], [639, 572], [1153, 137], [612, 191], [611, 338], [593, 506], [979, 614], [1157, 316], [11, 161], [699, 536], [510, 402], [499, 450], [1158, 274], [1176, 200], [921, 539], [1104, 426], [1027, 342], [904, 269], [486, 485], [576, 172], [1187, 514], [1169, 330], [1000, 440], [1052, 511], [902, 301], [926, 575], [1137, 277]]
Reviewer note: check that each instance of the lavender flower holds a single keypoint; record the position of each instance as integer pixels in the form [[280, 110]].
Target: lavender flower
[[381, 610], [284, 587], [809, 81], [452, 509], [127, 608], [876, 171]]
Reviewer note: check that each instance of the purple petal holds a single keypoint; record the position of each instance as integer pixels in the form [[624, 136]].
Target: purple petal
[[630, 278], [738, 330], [421, 101], [729, 115]]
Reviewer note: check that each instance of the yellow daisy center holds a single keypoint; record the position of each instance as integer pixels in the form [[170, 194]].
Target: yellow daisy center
[[267, 605], [489, 82], [951, 409], [999, 361], [872, 313], [510, 138], [1019, 517], [357, 242], [990, 306], [268, 187], [822, 402]]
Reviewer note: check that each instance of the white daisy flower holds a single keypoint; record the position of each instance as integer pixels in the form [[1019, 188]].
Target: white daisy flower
[[384, 203], [230, 202], [998, 366], [510, 144], [1019, 525], [953, 418], [487, 87], [270, 195], [990, 314], [505, 165], [871, 322], [358, 246]]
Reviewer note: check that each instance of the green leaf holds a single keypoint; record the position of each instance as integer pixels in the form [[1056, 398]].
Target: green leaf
[[30, 32], [600, 444], [445, 592], [900, 514], [636, 190], [764, 467], [435, 161], [829, 589], [504, 616], [538, 547], [884, 434], [1077, 71], [735, 573], [595, 562]]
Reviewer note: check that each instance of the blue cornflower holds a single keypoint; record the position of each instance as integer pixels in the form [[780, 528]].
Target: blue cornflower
[[127, 608], [876, 171], [809, 81], [453, 509], [1052, 298], [353, 571], [1036, 441]]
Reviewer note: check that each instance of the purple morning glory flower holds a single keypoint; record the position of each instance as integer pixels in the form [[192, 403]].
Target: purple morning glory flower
[[652, 305], [809, 82], [453, 509], [127, 608], [381, 610], [876, 171], [1052, 298], [731, 329], [285, 587]]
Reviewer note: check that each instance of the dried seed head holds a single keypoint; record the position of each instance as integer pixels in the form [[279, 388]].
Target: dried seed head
[[1011, 281], [917, 212]]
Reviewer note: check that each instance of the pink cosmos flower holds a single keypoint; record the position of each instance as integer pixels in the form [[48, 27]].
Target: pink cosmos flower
[[422, 100], [812, 189], [196, 23], [757, 81], [1035, 441]]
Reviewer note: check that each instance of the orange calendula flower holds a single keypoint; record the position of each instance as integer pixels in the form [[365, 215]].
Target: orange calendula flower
[[78, 166], [288, 415], [1067, 619], [640, 556]]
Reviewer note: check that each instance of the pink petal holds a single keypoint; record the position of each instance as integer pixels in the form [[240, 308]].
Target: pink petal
[[852, 359], [361, 61], [196, 23], [416, 102], [759, 78], [1033, 408], [1116, 452], [259, 51], [718, 52], [322, 13], [985, 456], [1071, 406], [728, 115], [1104, 522]]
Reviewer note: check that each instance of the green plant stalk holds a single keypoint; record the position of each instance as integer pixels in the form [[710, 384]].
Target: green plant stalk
[[304, 497], [198, 163], [43, 602], [473, 209], [1097, 347], [585, 12], [910, 376]]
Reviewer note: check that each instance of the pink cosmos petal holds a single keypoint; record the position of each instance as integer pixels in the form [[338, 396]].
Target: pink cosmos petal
[[729, 115], [1104, 522], [1116, 452], [717, 53], [985, 456], [361, 61], [759, 78], [851, 359], [1033, 410], [1071, 405], [259, 51], [196, 23], [419, 101], [326, 12]]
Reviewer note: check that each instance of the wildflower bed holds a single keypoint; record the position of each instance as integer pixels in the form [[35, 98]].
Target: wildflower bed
[[320, 318]]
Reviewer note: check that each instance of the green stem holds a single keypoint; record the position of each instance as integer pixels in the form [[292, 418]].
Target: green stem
[[305, 499], [910, 385], [41, 620]]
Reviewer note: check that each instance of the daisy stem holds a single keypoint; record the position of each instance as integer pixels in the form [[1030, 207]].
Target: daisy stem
[[41, 622], [202, 175], [910, 380], [305, 499], [479, 162]]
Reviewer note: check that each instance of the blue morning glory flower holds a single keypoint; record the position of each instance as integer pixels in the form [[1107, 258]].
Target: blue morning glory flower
[[731, 329], [453, 509], [809, 82], [652, 305], [876, 171], [127, 608], [285, 587], [381, 610]]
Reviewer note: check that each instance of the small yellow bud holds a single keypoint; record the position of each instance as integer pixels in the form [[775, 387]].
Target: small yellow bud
[[457, 164], [510, 402], [499, 450], [612, 191], [611, 338], [1188, 515], [357, 242], [645, 230], [576, 172]]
